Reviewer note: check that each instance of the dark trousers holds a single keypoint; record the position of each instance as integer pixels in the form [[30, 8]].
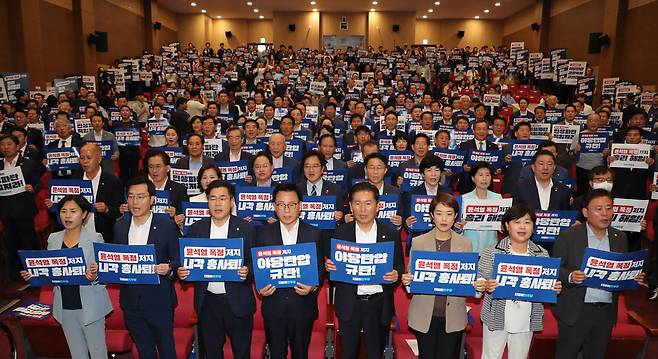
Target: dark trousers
[[19, 235], [367, 314], [128, 163], [216, 321], [436, 343], [151, 328], [589, 335], [284, 329]]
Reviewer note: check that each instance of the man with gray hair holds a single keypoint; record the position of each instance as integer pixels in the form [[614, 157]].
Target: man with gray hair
[[66, 138]]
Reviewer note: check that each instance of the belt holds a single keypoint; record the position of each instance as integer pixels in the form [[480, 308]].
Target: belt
[[598, 304], [367, 297]]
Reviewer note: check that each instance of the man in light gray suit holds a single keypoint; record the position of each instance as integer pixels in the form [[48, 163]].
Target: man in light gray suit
[[97, 134]]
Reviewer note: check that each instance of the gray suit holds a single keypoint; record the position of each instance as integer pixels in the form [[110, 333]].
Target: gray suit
[[84, 328], [107, 165]]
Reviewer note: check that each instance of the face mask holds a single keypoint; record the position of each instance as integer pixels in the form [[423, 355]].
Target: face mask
[[603, 185]]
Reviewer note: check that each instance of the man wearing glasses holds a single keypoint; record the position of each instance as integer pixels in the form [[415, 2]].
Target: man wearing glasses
[[224, 308], [289, 313], [313, 165], [149, 309]]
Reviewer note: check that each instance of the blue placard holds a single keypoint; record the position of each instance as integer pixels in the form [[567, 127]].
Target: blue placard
[[443, 273], [337, 176], [127, 136], [388, 206], [396, 158], [106, 148], [162, 202], [157, 127], [254, 148], [491, 157], [62, 159], [453, 159], [192, 212], [593, 142], [522, 151], [550, 224], [55, 267], [612, 271], [385, 143], [360, 263], [526, 278], [285, 266], [174, 154], [411, 177], [319, 211], [58, 188], [32, 310], [255, 202], [234, 172], [126, 264], [212, 260], [420, 208], [294, 148], [282, 175]]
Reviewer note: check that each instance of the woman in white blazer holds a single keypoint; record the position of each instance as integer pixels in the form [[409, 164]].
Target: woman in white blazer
[[80, 309]]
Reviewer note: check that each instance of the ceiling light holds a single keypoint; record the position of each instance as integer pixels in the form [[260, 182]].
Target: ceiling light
[[430, 10], [315, 10], [372, 10], [261, 17], [312, 2], [437, 3], [219, 17], [374, 3], [424, 16], [486, 11], [477, 17], [249, 3], [193, 4], [203, 11], [497, 4], [255, 10]]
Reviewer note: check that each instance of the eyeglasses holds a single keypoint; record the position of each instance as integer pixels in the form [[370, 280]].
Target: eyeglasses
[[291, 205], [139, 197]]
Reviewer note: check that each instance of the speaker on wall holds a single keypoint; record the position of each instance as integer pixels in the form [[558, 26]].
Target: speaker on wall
[[396, 28], [534, 26], [460, 33], [228, 34], [157, 25], [596, 41], [98, 38], [291, 27]]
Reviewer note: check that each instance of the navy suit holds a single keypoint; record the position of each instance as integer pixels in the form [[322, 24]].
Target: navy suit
[[110, 192], [465, 184], [231, 313], [224, 156], [149, 309], [289, 316], [177, 194], [526, 192]]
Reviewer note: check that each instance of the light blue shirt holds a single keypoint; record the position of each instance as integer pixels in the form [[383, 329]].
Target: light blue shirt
[[593, 295], [196, 165], [481, 240]]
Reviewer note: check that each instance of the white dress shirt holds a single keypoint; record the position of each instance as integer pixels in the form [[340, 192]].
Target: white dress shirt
[[67, 142], [517, 312], [139, 234], [431, 192], [318, 187], [98, 136], [367, 237], [232, 157], [219, 232], [10, 164], [330, 164], [278, 162], [544, 194], [95, 182], [289, 237]]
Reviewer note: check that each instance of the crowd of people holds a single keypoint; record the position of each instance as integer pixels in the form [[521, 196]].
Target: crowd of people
[[316, 114]]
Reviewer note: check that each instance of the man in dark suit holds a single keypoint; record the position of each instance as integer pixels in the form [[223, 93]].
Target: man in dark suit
[[234, 152], [420, 145], [390, 126], [157, 165], [327, 147], [66, 139], [224, 308], [149, 309], [26, 150], [108, 192], [276, 147], [313, 165], [367, 307], [289, 313], [480, 143], [357, 170], [17, 211], [586, 315], [541, 192], [34, 136]]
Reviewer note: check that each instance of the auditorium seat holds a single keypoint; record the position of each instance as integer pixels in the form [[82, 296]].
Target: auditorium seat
[[651, 214], [116, 334], [402, 332], [321, 336], [45, 336]]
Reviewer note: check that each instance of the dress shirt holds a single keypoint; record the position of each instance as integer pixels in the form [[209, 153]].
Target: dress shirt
[[289, 237], [218, 232], [318, 187], [95, 182], [278, 162], [139, 234], [544, 194], [367, 237], [593, 295]]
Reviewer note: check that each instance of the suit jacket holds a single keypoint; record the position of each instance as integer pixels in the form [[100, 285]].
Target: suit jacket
[[76, 142], [328, 189], [184, 162], [339, 164], [385, 133], [224, 156], [285, 301], [94, 298], [422, 306], [35, 137], [177, 194], [465, 184], [240, 295], [109, 192], [345, 294], [570, 247], [21, 205], [526, 192], [108, 165], [34, 155], [419, 190], [163, 234]]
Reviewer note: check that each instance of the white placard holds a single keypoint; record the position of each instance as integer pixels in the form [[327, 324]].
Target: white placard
[[484, 214], [628, 213], [630, 156], [11, 181]]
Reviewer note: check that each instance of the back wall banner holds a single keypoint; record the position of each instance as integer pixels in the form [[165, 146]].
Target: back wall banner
[[484, 214], [126, 264], [360, 263], [443, 273], [526, 278], [612, 271], [55, 267], [285, 266], [212, 260]]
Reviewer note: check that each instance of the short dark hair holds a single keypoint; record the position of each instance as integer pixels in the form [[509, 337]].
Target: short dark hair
[[194, 134], [315, 154], [261, 154], [445, 199], [327, 135], [546, 143], [219, 183], [13, 138], [209, 166], [286, 187], [594, 194], [141, 179], [480, 165], [156, 152], [542, 153], [374, 156], [431, 161], [515, 212], [422, 135], [361, 128], [600, 170], [79, 199], [364, 187]]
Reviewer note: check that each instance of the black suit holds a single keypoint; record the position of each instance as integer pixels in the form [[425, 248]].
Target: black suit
[[183, 163], [76, 141], [526, 192], [384, 133], [582, 327], [177, 194], [231, 313], [289, 316], [224, 156], [17, 213], [34, 137], [149, 309], [373, 315], [111, 193], [465, 184]]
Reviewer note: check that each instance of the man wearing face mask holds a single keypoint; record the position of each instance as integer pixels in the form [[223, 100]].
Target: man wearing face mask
[[600, 177]]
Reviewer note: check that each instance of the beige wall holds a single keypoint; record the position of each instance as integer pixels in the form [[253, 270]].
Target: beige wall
[[570, 29], [638, 45], [191, 28], [380, 29], [124, 27], [356, 21], [260, 28], [476, 32], [307, 31]]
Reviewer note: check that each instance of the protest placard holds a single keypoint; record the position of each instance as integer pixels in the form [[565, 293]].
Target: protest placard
[[55, 267], [126, 264], [285, 266], [359, 263], [526, 278], [443, 273], [612, 271], [484, 214], [212, 260]]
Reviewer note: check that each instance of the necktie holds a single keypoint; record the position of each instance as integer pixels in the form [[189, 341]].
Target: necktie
[[62, 144], [481, 144], [314, 190]]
